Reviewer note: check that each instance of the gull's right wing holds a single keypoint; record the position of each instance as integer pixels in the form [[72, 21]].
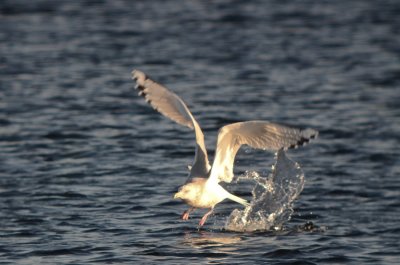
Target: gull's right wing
[[172, 106]]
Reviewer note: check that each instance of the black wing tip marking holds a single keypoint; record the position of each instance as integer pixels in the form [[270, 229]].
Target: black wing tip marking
[[141, 92], [136, 75], [140, 78], [304, 140]]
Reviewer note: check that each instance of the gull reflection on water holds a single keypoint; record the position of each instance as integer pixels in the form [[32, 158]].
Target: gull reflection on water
[[216, 247], [204, 239]]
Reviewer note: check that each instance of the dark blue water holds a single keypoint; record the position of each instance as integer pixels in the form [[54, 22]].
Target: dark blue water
[[88, 170]]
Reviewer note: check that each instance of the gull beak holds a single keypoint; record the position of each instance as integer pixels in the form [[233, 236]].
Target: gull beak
[[177, 195]]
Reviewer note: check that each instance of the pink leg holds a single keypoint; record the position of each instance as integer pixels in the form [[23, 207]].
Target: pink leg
[[204, 218], [185, 215]]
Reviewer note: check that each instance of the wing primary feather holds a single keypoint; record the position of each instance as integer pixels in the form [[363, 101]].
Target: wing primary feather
[[172, 106], [256, 134]]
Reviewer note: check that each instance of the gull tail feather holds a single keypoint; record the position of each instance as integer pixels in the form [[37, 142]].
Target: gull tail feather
[[238, 200]]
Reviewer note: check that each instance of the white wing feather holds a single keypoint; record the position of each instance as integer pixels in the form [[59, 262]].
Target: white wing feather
[[256, 134], [172, 106]]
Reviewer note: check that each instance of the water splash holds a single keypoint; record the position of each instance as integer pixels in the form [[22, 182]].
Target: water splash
[[273, 197]]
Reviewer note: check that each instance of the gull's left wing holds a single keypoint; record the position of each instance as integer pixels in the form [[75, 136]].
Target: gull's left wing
[[256, 134]]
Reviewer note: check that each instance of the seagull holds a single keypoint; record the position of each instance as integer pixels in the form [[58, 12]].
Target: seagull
[[202, 188]]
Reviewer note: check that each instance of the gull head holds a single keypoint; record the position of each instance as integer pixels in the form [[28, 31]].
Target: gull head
[[186, 192], [191, 191]]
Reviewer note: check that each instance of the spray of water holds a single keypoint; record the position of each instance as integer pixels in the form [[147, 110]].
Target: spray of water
[[273, 197]]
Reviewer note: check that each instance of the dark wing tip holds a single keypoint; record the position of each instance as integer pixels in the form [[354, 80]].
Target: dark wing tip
[[139, 77], [306, 137]]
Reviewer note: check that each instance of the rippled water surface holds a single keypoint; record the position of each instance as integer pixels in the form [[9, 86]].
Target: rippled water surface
[[88, 170]]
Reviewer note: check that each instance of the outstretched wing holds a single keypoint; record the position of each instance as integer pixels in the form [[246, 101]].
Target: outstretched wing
[[257, 134], [172, 106]]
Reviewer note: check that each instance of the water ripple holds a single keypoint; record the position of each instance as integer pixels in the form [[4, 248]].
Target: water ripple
[[88, 171]]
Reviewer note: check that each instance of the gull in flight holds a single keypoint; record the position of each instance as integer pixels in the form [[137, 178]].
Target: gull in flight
[[202, 189]]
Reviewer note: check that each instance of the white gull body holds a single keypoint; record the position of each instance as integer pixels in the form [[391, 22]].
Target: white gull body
[[202, 189]]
